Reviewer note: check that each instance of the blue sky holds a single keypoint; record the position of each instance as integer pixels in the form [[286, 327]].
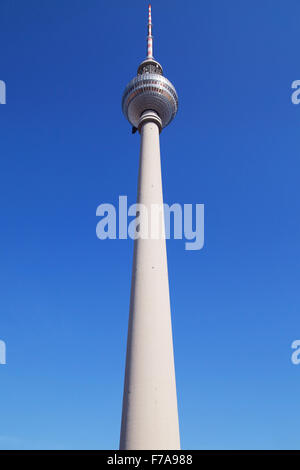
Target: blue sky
[[66, 148]]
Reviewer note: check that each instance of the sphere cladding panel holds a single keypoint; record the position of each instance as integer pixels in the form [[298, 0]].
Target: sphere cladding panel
[[150, 92]]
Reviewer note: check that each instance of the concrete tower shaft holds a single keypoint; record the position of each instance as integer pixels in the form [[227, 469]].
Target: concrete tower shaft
[[150, 417]]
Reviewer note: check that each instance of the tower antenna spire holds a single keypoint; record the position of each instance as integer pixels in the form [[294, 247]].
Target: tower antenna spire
[[150, 37]]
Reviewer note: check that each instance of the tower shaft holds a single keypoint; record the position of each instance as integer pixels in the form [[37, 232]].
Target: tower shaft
[[150, 416]]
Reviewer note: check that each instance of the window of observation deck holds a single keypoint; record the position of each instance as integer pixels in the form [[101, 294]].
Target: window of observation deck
[[150, 68]]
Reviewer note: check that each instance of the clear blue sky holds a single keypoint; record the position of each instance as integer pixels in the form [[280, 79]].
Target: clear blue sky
[[66, 148]]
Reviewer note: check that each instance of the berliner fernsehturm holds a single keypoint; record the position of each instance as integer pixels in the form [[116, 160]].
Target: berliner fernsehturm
[[150, 416]]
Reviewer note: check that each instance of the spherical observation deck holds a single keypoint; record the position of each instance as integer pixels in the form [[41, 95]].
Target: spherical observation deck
[[150, 90]]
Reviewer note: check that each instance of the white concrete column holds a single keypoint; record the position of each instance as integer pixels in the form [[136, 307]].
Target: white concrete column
[[150, 416]]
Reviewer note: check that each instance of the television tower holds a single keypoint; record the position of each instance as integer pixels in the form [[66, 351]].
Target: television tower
[[150, 416]]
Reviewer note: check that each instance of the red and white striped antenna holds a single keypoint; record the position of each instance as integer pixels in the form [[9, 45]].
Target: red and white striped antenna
[[150, 37]]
